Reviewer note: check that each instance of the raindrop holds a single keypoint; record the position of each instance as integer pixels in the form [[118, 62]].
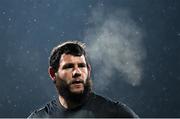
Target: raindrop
[[35, 20], [9, 19], [3, 12]]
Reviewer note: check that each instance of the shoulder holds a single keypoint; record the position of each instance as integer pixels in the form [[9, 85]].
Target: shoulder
[[116, 108], [43, 111], [125, 110], [105, 101], [39, 113]]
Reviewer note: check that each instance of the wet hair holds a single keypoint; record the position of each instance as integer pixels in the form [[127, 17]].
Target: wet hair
[[74, 48]]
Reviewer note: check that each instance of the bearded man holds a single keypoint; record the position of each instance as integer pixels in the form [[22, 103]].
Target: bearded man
[[70, 71]]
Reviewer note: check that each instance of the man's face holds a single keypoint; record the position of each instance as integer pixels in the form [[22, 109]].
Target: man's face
[[73, 72]]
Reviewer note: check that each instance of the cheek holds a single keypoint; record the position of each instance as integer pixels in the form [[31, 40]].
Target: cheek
[[85, 74], [64, 75]]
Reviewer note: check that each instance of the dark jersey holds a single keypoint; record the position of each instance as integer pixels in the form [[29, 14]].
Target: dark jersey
[[96, 106]]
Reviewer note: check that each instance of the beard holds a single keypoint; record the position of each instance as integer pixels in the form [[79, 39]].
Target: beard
[[63, 88]]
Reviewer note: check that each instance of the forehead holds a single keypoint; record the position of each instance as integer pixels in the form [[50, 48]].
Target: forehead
[[67, 58]]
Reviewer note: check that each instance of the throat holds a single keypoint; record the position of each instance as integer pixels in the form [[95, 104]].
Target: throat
[[72, 103]]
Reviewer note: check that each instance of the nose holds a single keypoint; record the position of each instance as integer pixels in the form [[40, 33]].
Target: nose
[[76, 73]]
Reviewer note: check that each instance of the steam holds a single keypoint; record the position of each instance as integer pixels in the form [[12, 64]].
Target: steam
[[115, 45]]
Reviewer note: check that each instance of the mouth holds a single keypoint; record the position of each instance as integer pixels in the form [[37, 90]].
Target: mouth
[[77, 83]]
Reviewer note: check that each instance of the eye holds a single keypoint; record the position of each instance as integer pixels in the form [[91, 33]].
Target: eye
[[68, 66], [81, 65]]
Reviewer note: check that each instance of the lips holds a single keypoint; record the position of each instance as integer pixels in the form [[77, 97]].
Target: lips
[[77, 81]]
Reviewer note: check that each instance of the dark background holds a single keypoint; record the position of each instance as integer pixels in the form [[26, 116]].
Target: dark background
[[29, 29]]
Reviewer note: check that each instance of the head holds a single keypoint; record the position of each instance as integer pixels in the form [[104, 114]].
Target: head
[[70, 71]]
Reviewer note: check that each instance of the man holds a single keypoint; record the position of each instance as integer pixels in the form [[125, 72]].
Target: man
[[70, 71]]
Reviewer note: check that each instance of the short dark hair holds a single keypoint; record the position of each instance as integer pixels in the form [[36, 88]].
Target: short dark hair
[[75, 48]]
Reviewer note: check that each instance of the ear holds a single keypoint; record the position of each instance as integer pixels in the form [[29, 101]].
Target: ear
[[52, 73], [89, 70]]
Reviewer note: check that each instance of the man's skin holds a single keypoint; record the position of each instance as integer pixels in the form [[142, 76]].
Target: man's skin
[[71, 68]]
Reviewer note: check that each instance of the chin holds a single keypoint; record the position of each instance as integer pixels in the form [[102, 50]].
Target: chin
[[77, 91]]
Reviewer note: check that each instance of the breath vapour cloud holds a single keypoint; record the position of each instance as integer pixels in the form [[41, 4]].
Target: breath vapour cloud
[[115, 44]]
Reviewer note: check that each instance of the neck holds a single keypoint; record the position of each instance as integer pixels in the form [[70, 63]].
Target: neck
[[69, 104]]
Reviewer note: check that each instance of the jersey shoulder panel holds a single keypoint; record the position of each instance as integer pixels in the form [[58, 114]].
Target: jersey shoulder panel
[[43, 111], [39, 113]]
